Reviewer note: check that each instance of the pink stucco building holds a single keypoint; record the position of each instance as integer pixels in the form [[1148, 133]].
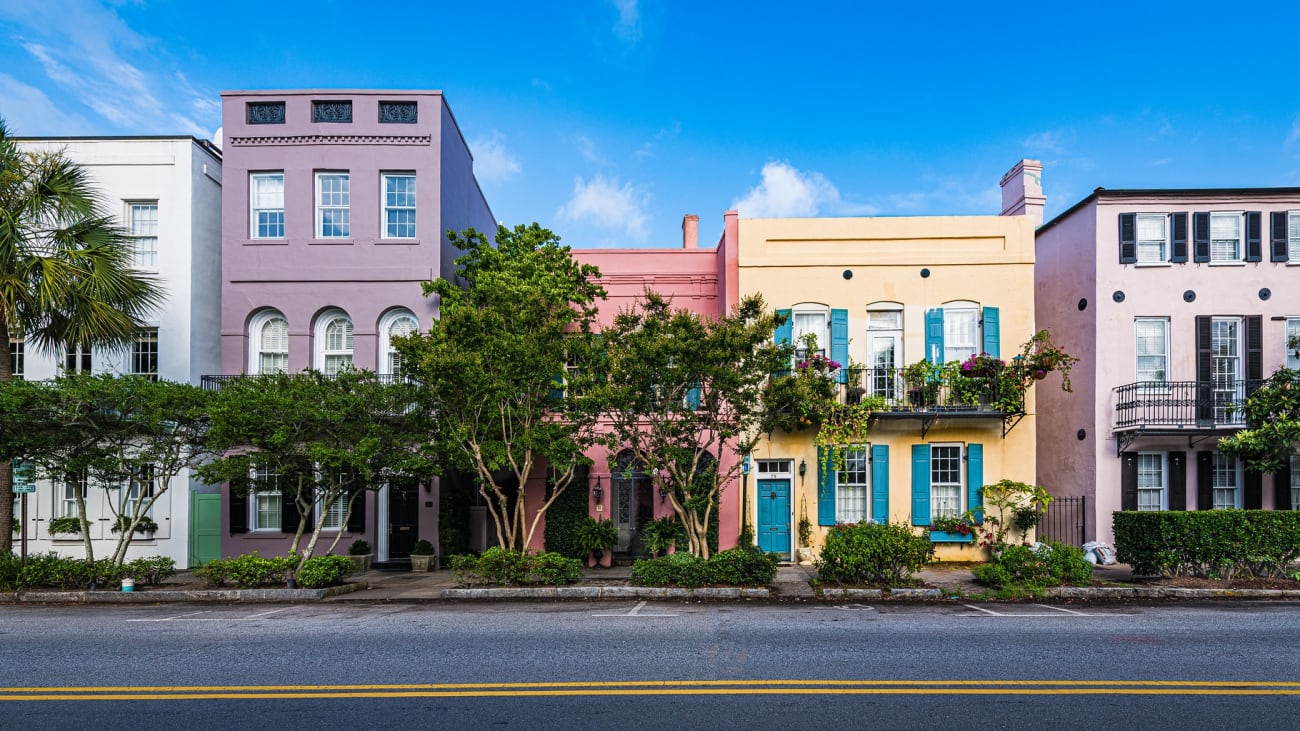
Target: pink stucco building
[[335, 206], [1178, 302]]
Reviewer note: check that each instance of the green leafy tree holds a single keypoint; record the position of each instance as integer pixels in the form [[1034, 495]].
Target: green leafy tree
[[507, 367], [681, 388], [1273, 413], [327, 438], [65, 270]]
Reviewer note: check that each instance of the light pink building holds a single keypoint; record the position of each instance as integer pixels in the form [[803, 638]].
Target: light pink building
[[335, 206], [1179, 302]]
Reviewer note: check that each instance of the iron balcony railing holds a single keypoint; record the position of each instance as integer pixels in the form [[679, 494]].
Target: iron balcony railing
[[1212, 404], [930, 394]]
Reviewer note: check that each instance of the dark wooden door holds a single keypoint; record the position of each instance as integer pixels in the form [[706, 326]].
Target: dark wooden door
[[403, 519]]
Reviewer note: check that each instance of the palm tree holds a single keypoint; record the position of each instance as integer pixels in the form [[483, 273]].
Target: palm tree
[[66, 272]]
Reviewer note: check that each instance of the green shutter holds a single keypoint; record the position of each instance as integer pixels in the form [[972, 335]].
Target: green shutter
[[991, 327], [934, 335], [825, 487], [920, 484], [880, 483], [975, 479], [840, 341]]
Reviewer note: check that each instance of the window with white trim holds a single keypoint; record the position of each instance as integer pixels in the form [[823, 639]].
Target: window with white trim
[[1225, 237], [852, 486], [142, 225], [76, 359], [1228, 389], [144, 354], [399, 205], [266, 191], [884, 351], [1295, 482], [1225, 481], [333, 198], [810, 319], [268, 338], [72, 485], [1152, 349], [946, 481], [396, 324], [1151, 471], [1152, 238], [961, 331], [1293, 236], [265, 502], [17, 356], [137, 487], [336, 516], [1293, 342], [333, 342]]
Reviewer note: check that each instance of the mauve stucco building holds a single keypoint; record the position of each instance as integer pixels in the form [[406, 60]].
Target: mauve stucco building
[[1178, 302], [336, 205]]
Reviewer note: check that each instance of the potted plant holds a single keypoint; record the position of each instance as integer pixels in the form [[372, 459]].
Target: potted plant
[[68, 524], [1293, 342], [804, 551], [922, 383], [596, 537], [423, 557], [146, 526], [660, 534], [951, 530], [361, 555]]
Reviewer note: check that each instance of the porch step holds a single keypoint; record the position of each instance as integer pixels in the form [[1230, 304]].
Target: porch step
[[392, 564]]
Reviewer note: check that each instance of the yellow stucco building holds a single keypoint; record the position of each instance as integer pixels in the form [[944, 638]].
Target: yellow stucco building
[[881, 294]]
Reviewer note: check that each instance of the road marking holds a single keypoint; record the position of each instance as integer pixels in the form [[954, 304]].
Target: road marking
[[1070, 612], [192, 617], [635, 612], [169, 619], [855, 608]]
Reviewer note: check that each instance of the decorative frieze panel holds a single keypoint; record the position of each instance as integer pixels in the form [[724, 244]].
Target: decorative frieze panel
[[398, 112], [331, 111], [266, 112], [329, 140]]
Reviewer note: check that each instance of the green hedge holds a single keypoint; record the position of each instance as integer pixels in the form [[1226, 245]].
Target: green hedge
[[329, 570], [1218, 544], [500, 567], [50, 570], [741, 566], [248, 571], [562, 521], [1025, 567], [872, 554]]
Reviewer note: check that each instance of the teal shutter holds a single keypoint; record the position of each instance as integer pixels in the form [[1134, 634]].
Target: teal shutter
[[825, 487], [975, 479], [920, 484], [991, 327], [840, 341], [785, 331], [693, 398], [880, 483], [934, 336], [557, 388]]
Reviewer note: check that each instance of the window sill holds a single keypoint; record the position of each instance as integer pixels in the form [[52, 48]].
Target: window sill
[[938, 536], [267, 242], [1152, 264], [331, 242], [397, 242], [1227, 263]]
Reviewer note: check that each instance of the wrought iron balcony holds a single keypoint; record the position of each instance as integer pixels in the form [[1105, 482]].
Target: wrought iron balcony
[[1182, 405], [901, 395]]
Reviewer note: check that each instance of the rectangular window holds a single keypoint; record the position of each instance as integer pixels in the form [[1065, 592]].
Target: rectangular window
[[1225, 482], [810, 323], [961, 333], [945, 481], [73, 485], [333, 194], [1225, 360], [1151, 480], [885, 350], [1293, 236], [139, 486], [1295, 483], [1152, 334], [144, 354], [399, 205], [76, 359], [17, 356], [334, 517], [143, 227], [266, 502], [267, 191], [852, 487], [1225, 237], [1151, 238], [1293, 342]]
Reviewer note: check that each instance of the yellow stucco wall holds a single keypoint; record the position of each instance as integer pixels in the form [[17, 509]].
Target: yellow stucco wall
[[984, 259]]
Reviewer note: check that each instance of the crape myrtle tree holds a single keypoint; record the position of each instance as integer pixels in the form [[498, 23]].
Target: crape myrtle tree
[[66, 274], [1273, 415], [317, 439], [680, 388], [507, 368]]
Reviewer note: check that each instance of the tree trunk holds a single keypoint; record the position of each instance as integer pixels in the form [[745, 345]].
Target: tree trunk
[[6, 467], [347, 515], [85, 525]]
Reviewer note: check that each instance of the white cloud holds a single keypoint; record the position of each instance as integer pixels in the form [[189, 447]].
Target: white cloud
[[1295, 132], [492, 161], [1046, 142], [788, 192], [587, 148], [609, 205], [628, 26], [29, 112]]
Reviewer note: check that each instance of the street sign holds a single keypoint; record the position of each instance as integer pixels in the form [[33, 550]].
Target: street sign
[[24, 477], [24, 488]]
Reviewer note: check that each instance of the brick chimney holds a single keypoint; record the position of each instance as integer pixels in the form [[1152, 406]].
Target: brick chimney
[[691, 231], [1022, 191]]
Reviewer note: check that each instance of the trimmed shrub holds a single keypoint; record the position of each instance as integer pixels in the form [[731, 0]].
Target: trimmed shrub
[[501, 567], [1026, 567], [872, 554], [359, 548], [151, 570], [1215, 544], [321, 571], [675, 569], [248, 571], [10, 565], [741, 566]]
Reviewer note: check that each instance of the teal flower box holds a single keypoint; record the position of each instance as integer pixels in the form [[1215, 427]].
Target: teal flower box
[[938, 536]]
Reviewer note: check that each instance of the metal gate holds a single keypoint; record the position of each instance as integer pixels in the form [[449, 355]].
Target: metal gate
[[1064, 520]]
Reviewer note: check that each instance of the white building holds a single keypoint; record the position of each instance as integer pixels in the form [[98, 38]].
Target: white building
[[167, 191]]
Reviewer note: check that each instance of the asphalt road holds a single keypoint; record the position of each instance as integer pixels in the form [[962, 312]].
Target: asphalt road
[[651, 665]]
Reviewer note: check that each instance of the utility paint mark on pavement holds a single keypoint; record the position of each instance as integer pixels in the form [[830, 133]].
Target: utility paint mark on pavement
[[1068, 612], [635, 612], [172, 618], [193, 617]]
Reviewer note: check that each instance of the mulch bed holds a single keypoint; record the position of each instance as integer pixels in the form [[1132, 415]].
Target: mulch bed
[[1190, 582]]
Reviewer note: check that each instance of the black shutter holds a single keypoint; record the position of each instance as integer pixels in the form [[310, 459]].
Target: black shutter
[[1128, 248], [1204, 369], [238, 506], [1178, 248], [289, 514], [1282, 488], [1253, 497], [357, 520], [1254, 236], [1254, 352], [1128, 481], [1204, 480], [1177, 480], [1278, 235], [1201, 236]]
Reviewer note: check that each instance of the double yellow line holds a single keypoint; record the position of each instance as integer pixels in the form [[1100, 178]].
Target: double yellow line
[[656, 687]]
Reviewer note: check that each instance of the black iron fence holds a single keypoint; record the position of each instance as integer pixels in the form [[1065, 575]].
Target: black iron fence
[[1183, 403], [902, 392], [1064, 520]]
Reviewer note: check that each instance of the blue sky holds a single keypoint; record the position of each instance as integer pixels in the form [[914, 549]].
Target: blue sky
[[607, 120]]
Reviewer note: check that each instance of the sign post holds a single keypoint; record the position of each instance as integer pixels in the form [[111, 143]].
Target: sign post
[[24, 482]]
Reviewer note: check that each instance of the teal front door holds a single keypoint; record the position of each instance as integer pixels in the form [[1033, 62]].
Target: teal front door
[[774, 516]]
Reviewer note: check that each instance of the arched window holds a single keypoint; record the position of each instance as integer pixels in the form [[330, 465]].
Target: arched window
[[268, 338], [333, 342], [395, 324]]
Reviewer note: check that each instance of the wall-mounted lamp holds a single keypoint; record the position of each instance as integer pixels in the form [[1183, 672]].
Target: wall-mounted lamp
[[663, 493], [597, 491], [803, 469]]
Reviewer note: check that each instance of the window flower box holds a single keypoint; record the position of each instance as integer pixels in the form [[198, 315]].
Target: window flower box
[[942, 536]]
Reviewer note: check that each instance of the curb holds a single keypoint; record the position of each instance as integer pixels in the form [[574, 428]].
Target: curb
[[606, 592], [262, 596]]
